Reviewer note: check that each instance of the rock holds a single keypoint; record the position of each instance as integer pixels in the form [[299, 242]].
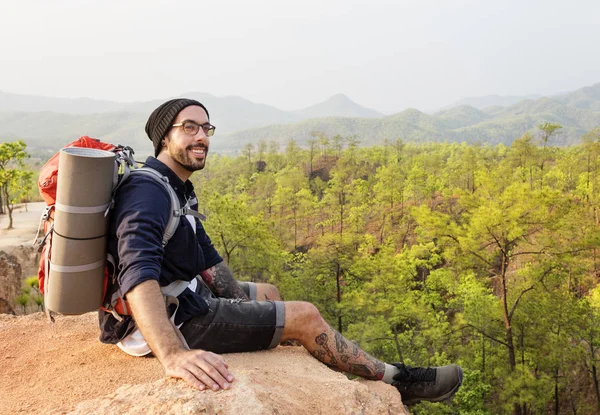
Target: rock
[[28, 257], [10, 278], [5, 307], [62, 368], [277, 387]]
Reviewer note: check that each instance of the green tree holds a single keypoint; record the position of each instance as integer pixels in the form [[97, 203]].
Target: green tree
[[547, 129], [389, 193], [245, 240], [15, 181], [293, 199], [522, 156]]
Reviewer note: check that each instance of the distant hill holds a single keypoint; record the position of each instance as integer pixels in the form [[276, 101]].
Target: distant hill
[[337, 106], [490, 101], [48, 130], [33, 103], [584, 98], [240, 121], [229, 114], [462, 116], [577, 112]]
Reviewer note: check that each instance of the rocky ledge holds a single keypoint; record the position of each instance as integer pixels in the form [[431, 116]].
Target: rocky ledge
[[62, 368]]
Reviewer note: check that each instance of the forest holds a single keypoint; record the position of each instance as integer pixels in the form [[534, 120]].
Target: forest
[[429, 254]]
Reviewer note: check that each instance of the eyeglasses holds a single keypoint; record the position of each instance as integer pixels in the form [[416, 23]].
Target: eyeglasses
[[191, 127]]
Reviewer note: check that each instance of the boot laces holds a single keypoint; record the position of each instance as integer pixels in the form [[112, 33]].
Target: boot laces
[[415, 374]]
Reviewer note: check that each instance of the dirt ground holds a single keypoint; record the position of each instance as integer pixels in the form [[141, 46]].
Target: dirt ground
[[64, 364], [25, 223]]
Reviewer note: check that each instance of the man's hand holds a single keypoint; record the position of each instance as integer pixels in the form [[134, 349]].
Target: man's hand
[[199, 369]]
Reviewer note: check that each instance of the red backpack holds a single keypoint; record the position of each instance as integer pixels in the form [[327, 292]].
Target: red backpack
[[124, 165]]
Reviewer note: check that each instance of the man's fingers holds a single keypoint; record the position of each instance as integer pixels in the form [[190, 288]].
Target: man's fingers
[[201, 370], [191, 380], [214, 370], [206, 377], [221, 366]]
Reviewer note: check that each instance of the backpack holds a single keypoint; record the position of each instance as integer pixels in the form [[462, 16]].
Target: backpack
[[124, 165]]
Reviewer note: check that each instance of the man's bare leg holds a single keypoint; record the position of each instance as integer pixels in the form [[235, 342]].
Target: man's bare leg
[[304, 323], [267, 292]]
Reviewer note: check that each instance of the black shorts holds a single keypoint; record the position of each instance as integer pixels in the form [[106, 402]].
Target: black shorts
[[249, 288], [232, 326]]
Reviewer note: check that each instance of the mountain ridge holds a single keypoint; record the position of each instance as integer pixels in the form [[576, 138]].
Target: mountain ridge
[[240, 122]]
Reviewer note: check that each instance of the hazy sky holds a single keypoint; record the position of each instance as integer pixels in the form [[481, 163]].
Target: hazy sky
[[386, 55]]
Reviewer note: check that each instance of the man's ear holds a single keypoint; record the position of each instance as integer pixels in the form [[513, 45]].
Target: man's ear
[[165, 140]]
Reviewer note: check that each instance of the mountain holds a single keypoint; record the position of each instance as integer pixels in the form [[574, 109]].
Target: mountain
[[337, 106], [409, 125], [584, 98], [462, 116], [491, 100], [229, 114], [49, 130], [578, 112], [34, 103], [240, 121]]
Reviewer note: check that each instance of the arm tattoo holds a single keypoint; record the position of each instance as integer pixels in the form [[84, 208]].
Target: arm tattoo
[[220, 280]]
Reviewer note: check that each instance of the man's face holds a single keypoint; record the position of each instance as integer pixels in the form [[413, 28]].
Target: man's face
[[189, 151]]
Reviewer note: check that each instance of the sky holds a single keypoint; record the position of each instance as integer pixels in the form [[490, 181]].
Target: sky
[[385, 55]]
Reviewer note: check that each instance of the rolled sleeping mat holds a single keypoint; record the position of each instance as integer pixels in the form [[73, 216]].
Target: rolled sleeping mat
[[76, 276]]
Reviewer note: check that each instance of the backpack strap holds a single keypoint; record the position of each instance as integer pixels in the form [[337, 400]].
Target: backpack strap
[[124, 164], [175, 212]]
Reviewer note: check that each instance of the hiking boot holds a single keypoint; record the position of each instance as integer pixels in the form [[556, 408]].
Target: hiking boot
[[433, 384]]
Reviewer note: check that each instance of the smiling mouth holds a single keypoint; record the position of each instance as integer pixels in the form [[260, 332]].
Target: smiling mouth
[[198, 151]]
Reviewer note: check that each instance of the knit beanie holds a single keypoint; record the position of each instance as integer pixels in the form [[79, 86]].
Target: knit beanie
[[162, 118]]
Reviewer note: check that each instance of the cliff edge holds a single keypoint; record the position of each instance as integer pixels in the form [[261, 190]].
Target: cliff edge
[[63, 368]]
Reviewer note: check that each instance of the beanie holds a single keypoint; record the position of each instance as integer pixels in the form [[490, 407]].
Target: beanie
[[162, 118]]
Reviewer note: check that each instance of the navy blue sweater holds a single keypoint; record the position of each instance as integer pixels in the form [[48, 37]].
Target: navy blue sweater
[[137, 225]]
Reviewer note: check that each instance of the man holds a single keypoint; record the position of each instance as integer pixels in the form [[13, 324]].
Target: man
[[216, 314]]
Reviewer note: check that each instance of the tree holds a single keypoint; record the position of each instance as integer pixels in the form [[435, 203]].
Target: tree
[[15, 182], [248, 152], [389, 192], [338, 145], [522, 155], [292, 195], [292, 153], [547, 129], [244, 240], [324, 141], [312, 145], [591, 147]]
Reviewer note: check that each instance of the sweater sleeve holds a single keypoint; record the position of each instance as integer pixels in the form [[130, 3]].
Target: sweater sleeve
[[142, 210]]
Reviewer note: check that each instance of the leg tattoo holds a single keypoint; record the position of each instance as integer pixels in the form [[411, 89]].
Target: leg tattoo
[[346, 356], [340, 343], [321, 340]]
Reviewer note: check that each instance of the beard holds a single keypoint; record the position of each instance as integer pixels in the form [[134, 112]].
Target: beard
[[182, 157]]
